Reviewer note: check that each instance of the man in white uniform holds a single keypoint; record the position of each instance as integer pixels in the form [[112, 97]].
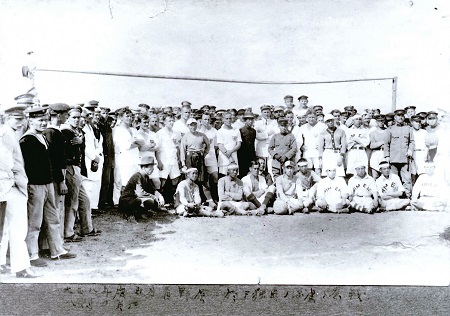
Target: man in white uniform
[[390, 190], [332, 193], [228, 141]]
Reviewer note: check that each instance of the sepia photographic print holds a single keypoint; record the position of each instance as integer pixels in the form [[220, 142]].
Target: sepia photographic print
[[204, 157]]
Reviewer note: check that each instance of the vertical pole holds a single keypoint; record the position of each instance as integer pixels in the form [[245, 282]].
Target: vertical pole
[[394, 93]]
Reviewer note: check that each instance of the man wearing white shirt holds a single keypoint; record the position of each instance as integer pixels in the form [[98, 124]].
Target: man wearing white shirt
[[228, 141], [428, 191], [311, 132], [265, 129], [180, 125], [168, 155], [211, 159], [390, 189], [303, 108]]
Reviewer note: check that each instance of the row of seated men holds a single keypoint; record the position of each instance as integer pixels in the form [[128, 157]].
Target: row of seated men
[[297, 190]]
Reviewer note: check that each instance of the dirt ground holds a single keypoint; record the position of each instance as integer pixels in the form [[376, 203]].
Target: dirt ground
[[393, 248]]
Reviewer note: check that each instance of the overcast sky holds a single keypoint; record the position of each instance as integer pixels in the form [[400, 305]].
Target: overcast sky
[[245, 40]]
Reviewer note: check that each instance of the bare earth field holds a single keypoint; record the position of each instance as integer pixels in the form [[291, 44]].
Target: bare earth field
[[395, 248]]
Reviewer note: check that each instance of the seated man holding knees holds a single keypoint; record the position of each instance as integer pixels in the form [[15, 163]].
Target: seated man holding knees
[[231, 194], [332, 193], [287, 201], [256, 189], [139, 198], [363, 190], [427, 193], [187, 197], [390, 190]]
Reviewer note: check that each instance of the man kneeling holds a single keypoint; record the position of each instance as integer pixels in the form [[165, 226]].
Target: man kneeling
[[140, 198], [231, 194], [188, 199]]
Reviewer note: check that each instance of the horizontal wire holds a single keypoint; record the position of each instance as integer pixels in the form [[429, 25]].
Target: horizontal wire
[[121, 74]]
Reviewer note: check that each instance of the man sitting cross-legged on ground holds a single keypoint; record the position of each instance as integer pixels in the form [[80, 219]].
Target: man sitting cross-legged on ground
[[187, 198], [140, 198], [231, 194], [308, 180], [390, 190], [332, 193], [257, 190], [363, 190], [427, 193], [287, 201]]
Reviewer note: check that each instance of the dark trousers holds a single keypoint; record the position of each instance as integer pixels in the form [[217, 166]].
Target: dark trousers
[[106, 190]]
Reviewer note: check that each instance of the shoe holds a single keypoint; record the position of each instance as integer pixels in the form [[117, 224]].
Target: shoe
[[92, 233], [38, 263], [73, 238], [67, 255], [27, 274], [408, 208], [44, 253], [305, 210], [4, 269], [343, 210]]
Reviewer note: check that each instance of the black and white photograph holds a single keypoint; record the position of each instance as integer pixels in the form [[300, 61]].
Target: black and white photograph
[[223, 142]]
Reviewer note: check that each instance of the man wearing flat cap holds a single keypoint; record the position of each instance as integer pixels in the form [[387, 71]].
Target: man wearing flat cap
[[399, 148], [282, 148], [139, 197]]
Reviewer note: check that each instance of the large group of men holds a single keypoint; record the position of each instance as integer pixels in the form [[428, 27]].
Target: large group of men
[[61, 164]]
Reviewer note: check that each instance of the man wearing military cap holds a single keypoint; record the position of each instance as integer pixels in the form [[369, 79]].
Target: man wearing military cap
[[318, 109], [389, 117], [410, 111], [13, 193], [399, 149], [377, 136], [282, 147], [420, 149], [16, 120], [26, 99], [42, 210]]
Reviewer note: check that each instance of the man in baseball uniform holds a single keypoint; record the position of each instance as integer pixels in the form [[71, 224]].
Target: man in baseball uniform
[[363, 190], [332, 193], [390, 190]]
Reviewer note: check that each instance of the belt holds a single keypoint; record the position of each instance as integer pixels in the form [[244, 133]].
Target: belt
[[359, 147], [194, 152], [334, 150], [419, 149]]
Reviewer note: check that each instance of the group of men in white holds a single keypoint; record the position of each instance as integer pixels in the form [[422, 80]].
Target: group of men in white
[[286, 159]]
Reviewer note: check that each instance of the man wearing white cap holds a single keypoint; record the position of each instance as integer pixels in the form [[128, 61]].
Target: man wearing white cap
[[332, 147], [231, 194], [187, 197], [288, 188], [390, 189], [332, 193], [363, 190]]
